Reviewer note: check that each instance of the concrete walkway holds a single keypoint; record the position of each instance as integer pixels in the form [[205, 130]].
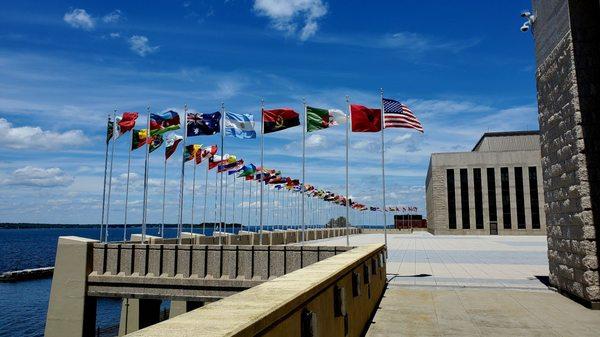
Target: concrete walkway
[[471, 286], [421, 259], [480, 312]]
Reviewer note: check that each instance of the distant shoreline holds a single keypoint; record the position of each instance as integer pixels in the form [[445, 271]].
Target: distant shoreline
[[77, 226]]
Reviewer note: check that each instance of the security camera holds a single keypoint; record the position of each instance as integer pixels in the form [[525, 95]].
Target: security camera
[[525, 14], [525, 27]]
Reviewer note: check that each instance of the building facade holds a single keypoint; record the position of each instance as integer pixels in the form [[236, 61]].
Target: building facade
[[496, 189]]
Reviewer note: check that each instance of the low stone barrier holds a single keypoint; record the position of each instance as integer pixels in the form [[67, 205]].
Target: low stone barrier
[[333, 297]]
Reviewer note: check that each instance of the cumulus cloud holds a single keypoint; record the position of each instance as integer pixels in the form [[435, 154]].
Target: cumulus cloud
[[79, 18], [112, 17], [293, 16], [140, 45], [39, 177], [35, 138]]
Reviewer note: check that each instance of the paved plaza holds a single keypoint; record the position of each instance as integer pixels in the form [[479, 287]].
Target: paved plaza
[[471, 286], [421, 259]]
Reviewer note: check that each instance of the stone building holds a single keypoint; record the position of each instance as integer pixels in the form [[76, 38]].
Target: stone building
[[567, 47], [495, 189]]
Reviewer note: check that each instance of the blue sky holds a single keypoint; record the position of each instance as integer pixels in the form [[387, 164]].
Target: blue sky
[[462, 66]]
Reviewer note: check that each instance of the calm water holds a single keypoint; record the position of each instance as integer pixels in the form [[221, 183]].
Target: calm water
[[23, 305]]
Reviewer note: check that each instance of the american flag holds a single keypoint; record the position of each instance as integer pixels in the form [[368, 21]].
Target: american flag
[[398, 115]]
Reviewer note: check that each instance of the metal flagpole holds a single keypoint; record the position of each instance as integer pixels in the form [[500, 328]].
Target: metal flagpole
[[249, 200], [193, 195], [242, 203], [162, 222], [262, 150], [383, 169], [233, 205], [145, 204], [105, 172], [127, 186], [347, 176], [112, 156], [205, 197], [303, 168], [182, 177], [225, 202], [221, 186]]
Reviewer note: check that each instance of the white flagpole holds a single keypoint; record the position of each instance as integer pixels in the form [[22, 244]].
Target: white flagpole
[[262, 168], [225, 202], [249, 200], [182, 176], [383, 168], [221, 186], [112, 156], [162, 222], [242, 203], [347, 175], [127, 186], [145, 203], [303, 169], [193, 195], [205, 197], [105, 172]]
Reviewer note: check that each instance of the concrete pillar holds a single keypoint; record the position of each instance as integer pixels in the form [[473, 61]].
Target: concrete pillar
[[181, 307], [70, 311], [137, 314]]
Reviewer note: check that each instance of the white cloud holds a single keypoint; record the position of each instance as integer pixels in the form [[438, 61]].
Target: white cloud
[[112, 17], [315, 141], [115, 35], [139, 44], [34, 138], [286, 15], [39, 177], [79, 18]]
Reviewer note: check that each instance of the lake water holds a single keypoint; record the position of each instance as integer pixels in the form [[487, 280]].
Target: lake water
[[23, 305]]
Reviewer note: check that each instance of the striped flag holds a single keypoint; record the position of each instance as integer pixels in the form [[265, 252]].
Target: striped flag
[[398, 115]]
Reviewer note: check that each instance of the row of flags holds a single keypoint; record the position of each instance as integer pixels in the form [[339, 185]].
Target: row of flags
[[160, 126]]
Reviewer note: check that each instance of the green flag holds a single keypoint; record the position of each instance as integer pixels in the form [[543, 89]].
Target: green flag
[[157, 141], [316, 119]]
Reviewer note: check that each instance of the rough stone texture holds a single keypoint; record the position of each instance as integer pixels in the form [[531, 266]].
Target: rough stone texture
[[567, 80]]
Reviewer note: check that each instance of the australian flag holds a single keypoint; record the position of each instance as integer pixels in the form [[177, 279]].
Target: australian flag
[[203, 124]]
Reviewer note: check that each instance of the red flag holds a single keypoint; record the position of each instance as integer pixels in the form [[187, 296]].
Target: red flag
[[365, 119], [127, 121], [279, 119]]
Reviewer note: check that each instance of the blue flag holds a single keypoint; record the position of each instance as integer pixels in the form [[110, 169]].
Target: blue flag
[[239, 125], [203, 124]]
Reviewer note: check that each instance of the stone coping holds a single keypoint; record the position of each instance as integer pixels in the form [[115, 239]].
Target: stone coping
[[244, 314]]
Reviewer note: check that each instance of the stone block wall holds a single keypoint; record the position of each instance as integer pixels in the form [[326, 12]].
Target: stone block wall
[[567, 80]]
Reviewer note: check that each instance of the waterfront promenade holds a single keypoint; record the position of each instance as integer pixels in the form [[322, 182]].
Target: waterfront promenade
[[471, 286]]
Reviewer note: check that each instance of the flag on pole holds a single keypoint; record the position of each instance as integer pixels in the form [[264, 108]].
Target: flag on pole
[[365, 119], [247, 170], [172, 142], [317, 119], [216, 160], [139, 139], [155, 142], [125, 123], [203, 124], [191, 151], [279, 119], [226, 165], [398, 115], [239, 125], [207, 153], [164, 122], [110, 126]]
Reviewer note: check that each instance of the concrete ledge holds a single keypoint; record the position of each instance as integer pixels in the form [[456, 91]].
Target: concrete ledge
[[334, 297]]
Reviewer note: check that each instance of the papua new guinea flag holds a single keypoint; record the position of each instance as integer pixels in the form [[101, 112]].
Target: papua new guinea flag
[[279, 119]]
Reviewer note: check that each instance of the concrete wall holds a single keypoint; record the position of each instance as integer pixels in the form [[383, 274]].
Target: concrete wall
[[437, 196], [334, 297], [567, 36]]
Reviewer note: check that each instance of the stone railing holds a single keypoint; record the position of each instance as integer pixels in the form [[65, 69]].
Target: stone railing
[[193, 272], [334, 297]]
